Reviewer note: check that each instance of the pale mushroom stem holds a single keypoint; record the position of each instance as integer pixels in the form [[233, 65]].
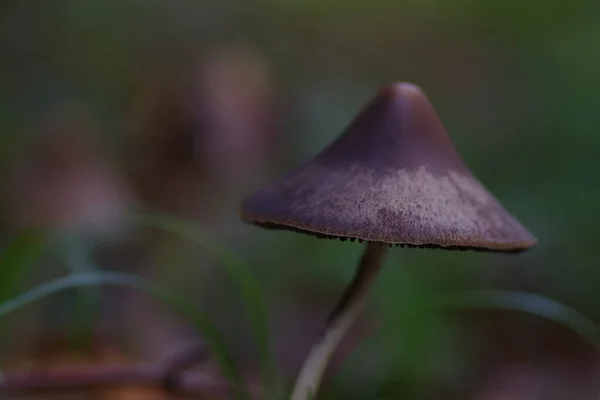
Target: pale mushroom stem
[[341, 319]]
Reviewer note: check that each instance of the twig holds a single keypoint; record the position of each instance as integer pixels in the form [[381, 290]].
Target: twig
[[75, 378], [175, 366]]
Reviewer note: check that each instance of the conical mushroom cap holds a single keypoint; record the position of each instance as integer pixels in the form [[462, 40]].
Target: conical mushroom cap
[[393, 176]]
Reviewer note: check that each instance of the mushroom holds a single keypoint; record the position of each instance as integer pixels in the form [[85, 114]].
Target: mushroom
[[392, 178]]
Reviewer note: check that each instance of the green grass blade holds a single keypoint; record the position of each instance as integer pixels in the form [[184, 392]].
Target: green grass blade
[[180, 305], [497, 299], [528, 303], [239, 274]]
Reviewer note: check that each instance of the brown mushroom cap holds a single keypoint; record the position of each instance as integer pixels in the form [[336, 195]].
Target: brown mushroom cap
[[393, 176]]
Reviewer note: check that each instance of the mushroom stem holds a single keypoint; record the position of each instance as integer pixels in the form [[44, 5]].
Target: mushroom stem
[[340, 320]]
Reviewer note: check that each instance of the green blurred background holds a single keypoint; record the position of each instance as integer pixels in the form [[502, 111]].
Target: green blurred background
[[187, 106]]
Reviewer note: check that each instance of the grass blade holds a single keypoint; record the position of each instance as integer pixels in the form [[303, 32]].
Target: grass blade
[[180, 305], [239, 274], [529, 303]]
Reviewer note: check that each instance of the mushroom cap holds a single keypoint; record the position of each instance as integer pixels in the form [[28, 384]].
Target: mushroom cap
[[392, 176]]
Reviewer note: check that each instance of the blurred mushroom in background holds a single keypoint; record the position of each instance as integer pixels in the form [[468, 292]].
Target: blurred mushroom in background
[[200, 134], [64, 183], [168, 170], [241, 114]]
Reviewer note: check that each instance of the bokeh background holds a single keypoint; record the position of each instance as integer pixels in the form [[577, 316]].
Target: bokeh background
[[187, 106]]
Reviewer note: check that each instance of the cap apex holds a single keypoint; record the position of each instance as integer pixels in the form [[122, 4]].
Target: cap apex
[[403, 90]]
